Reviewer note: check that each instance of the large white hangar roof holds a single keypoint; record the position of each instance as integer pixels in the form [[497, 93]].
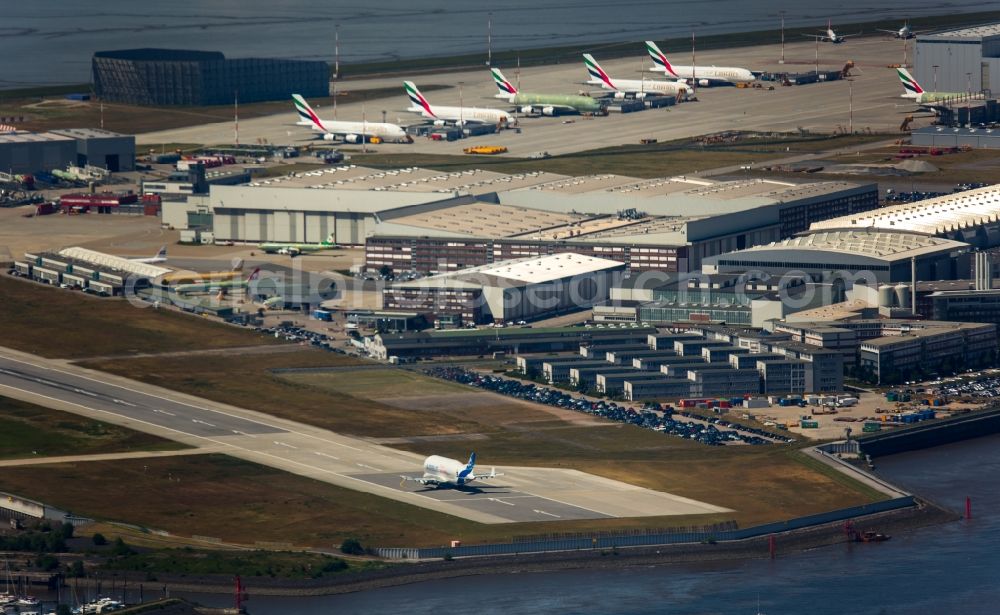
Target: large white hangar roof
[[114, 262], [880, 245], [407, 179], [519, 272], [935, 216]]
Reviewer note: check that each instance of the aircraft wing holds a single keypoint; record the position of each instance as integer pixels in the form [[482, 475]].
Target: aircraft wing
[[887, 31]]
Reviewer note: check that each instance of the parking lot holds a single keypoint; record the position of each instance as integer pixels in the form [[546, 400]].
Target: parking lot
[[711, 432]]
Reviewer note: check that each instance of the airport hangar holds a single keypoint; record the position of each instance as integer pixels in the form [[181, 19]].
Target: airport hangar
[[433, 222], [35, 152], [963, 60], [194, 78], [526, 288]]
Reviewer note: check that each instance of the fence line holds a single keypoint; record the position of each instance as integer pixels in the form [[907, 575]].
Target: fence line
[[625, 539]]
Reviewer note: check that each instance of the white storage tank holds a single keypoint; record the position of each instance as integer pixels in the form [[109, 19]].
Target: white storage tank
[[885, 296], [903, 296]]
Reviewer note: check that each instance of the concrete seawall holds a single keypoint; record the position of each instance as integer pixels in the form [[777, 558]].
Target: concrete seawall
[[936, 433]]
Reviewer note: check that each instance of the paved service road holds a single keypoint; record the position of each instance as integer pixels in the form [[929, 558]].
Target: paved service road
[[525, 494]]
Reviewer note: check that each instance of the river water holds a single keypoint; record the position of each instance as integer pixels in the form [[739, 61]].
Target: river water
[[51, 41], [950, 568]]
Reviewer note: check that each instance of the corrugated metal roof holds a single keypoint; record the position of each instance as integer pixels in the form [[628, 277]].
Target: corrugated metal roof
[[113, 262], [862, 242], [931, 216]]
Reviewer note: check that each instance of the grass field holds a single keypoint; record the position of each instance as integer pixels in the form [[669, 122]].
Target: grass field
[[380, 383], [27, 430], [248, 382], [760, 483], [57, 323], [240, 502], [655, 160], [197, 562]]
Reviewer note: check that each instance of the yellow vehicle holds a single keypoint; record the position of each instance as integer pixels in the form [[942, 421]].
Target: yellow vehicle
[[487, 150]]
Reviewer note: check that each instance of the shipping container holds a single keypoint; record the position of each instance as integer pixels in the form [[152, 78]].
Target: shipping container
[[809, 424]]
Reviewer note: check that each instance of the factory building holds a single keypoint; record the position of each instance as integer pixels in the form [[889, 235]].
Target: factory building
[[197, 78], [514, 290], [666, 224], [928, 347], [102, 148], [972, 216], [726, 367], [34, 152], [739, 300], [30, 152], [485, 341], [964, 60], [845, 257], [431, 222], [958, 136], [93, 272]]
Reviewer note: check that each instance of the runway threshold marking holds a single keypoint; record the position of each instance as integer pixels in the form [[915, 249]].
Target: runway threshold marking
[[542, 512]]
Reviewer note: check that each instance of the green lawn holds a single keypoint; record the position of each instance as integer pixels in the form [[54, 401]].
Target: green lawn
[[58, 323], [27, 430]]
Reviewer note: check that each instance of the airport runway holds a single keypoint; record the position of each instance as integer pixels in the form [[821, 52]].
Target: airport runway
[[522, 494], [873, 97]]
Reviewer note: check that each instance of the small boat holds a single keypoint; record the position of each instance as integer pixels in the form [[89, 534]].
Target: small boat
[[871, 537]]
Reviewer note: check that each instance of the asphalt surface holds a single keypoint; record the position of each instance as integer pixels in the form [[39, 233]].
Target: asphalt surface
[[490, 496], [873, 98], [546, 494]]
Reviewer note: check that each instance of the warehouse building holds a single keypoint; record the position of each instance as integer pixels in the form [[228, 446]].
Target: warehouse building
[[734, 299], [102, 148], [958, 136], [197, 78], [963, 60], [31, 152], [928, 347], [34, 152], [971, 216], [87, 270], [485, 341], [731, 369], [843, 257], [514, 290], [647, 224]]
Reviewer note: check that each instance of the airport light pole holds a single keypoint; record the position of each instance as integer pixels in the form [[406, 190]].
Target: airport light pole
[[968, 83], [935, 67], [782, 14], [383, 116], [850, 108], [489, 40], [336, 51]]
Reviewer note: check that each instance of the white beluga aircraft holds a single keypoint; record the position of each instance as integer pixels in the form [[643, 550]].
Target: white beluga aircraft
[[442, 471]]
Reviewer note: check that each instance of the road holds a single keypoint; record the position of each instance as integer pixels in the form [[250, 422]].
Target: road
[[872, 98], [522, 494]]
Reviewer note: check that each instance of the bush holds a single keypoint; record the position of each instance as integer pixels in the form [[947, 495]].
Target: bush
[[99, 540], [47, 563], [75, 569], [352, 546], [120, 548]]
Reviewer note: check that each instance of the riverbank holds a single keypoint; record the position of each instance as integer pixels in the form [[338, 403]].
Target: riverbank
[[788, 543]]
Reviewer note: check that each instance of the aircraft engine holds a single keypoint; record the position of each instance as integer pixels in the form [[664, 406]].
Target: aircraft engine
[[353, 138], [329, 137], [619, 95], [640, 95], [548, 111], [439, 123], [527, 109], [704, 83]]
